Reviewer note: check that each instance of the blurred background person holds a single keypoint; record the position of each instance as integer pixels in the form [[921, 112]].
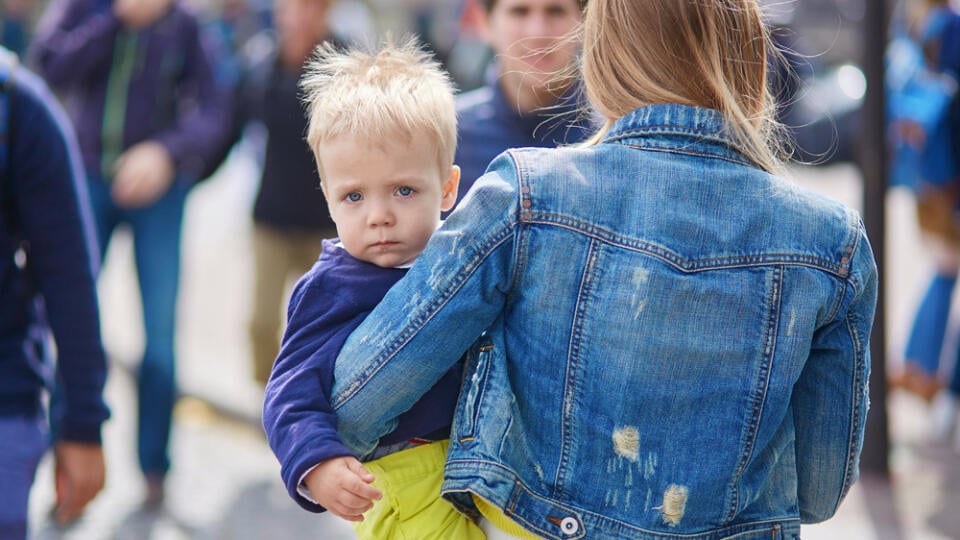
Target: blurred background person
[[48, 265], [16, 24], [137, 81], [532, 95], [934, 26], [290, 215]]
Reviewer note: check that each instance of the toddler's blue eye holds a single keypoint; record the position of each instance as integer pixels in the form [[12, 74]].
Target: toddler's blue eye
[[405, 191], [353, 197]]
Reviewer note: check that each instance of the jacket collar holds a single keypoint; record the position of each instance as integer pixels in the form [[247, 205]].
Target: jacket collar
[[681, 128]]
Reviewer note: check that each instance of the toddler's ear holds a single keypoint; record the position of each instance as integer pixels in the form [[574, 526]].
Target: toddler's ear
[[450, 189]]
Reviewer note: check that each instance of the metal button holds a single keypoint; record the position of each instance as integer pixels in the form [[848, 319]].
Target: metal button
[[569, 526]]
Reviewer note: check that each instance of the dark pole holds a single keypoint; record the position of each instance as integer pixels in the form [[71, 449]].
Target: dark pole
[[873, 165]]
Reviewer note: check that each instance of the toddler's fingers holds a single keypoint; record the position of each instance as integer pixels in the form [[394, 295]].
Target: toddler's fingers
[[350, 504], [360, 471], [345, 513], [361, 489]]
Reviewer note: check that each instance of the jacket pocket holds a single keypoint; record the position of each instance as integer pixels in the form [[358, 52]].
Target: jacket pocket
[[477, 370]]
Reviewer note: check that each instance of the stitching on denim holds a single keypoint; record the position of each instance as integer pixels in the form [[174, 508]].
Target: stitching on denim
[[661, 129], [858, 234], [521, 235], [762, 384], [690, 152], [674, 259], [572, 365], [854, 437], [850, 278]]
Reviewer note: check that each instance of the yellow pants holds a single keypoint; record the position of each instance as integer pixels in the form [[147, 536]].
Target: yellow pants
[[411, 507]]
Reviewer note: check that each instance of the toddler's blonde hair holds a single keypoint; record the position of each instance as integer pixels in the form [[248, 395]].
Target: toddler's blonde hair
[[397, 90], [706, 53]]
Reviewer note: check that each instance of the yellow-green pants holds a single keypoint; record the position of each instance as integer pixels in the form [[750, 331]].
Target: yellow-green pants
[[411, 507]]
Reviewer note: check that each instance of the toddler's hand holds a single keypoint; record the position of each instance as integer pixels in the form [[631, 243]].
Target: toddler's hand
[[342, 486]]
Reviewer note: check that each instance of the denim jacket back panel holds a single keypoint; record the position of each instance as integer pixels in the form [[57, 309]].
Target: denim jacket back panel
[[676, 340]]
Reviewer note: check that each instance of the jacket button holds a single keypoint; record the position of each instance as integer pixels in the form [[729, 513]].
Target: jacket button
[[569, 526]]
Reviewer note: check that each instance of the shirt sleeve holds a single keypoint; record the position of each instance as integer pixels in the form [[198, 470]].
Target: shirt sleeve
[[54, 214], [830, 439], [298, 418], [455, 289], [196, 139], [74, 39]]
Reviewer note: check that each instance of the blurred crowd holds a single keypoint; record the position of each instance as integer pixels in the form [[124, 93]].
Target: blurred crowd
[[448, 27]]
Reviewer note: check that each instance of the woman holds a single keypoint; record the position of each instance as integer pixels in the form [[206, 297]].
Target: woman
[[676, 340]]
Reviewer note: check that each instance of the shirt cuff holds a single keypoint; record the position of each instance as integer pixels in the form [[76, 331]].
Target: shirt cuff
[[302, 488]]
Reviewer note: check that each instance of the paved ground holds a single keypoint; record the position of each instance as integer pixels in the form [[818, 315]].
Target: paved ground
[[225, 482]]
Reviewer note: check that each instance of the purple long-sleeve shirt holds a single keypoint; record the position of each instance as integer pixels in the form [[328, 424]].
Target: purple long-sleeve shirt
[[158, 80]]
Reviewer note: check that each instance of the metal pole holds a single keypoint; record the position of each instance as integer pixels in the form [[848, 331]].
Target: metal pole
[[873, 166]]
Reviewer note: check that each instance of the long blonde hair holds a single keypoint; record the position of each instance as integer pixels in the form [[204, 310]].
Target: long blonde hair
[[705, 53]]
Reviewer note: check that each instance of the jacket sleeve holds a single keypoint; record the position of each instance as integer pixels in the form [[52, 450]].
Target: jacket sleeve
[[54, 214], [246, 105], [298, 418], [829, 438], [74, 39], [457, 287]]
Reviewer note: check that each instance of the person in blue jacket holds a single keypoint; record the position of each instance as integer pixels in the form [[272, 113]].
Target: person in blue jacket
[[523, 102], [290, 216], [382, 126], [136, 78], [48, 267], [935, 26]]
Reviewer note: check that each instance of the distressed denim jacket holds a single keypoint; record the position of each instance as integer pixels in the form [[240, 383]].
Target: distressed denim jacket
[[675, 343]]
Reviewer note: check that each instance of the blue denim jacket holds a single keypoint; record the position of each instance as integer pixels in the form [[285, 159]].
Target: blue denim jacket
[[676, 341]]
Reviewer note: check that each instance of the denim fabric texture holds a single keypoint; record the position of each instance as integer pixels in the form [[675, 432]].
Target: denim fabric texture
[[156, 239], [672, 343]]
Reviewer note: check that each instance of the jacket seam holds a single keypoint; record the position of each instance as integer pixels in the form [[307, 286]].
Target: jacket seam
[[759, 395], [682, 263], [855, 414], [572, 367], [520, 247], [689, 152], [663, 129]]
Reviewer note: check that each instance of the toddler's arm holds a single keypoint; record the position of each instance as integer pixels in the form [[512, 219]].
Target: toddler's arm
[[342, 486]]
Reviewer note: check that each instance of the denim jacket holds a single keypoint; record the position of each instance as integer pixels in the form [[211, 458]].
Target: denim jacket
[[675, 346]]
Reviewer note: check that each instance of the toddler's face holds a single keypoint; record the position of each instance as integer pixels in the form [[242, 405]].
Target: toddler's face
[[385, 196]]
